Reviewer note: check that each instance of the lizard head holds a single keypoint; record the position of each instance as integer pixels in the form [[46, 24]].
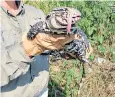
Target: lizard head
[[63, 17]]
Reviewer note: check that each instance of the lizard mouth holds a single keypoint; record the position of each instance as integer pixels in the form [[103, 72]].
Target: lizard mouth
[[75, 19], [78, 16], [72, 20]]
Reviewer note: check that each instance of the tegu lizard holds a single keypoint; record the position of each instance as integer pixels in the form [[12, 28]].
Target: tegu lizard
[[62, 20]]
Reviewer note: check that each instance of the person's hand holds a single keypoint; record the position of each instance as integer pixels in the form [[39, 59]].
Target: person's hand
[[30, 47], [44, 41]]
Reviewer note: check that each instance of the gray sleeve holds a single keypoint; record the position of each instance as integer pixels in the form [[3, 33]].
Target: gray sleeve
[[34, 12], [14, 61]]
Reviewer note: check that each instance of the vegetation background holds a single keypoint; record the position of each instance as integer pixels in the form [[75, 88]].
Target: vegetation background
[[98, 22]]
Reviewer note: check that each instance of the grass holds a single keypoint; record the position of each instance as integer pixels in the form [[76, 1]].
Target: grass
[[65, 77]]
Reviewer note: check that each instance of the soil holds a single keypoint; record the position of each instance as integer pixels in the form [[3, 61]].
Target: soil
[[100, 82]]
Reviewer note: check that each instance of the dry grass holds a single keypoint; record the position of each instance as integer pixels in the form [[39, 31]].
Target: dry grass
[[101, 82]]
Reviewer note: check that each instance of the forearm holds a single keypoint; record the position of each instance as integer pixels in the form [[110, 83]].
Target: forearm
[[53, 42], [44, 41], [14, 62]]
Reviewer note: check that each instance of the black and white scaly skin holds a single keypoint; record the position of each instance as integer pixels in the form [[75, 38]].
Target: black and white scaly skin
[[35, 29], [83, 38], [39, 27], [76, 48], [56, 22]]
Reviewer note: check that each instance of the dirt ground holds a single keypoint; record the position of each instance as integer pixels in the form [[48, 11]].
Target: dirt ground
[[101, 81]]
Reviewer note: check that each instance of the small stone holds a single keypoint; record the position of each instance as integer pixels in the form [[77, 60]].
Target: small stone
[[100, 60], [90, 70]]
